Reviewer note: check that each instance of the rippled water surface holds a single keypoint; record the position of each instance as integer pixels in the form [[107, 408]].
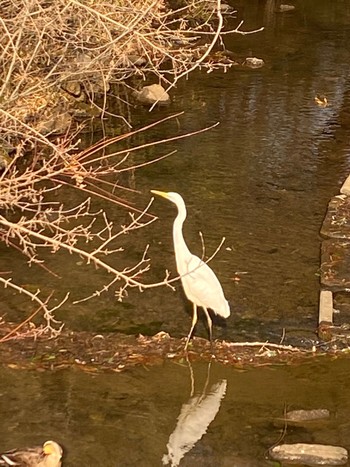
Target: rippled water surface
[[262, 178]]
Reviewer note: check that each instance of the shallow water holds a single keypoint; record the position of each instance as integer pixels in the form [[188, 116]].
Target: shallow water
[[134, 418]]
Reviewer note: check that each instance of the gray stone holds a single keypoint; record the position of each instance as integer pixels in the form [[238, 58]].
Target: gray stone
[[310, 454], [307, 415], [285, 7], [253, 62], [153, 94]]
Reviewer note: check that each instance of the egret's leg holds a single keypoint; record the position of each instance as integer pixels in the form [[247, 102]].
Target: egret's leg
[[210, 326], [194, 321]]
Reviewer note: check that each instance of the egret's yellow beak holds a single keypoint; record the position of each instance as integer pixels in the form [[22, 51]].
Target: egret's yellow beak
[[160, 193]]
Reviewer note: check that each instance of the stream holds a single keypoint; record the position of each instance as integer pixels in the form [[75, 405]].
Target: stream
[[262, 178]]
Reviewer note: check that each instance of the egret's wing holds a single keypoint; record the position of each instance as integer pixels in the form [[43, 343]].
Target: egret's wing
[[203, 287], [193, 421]]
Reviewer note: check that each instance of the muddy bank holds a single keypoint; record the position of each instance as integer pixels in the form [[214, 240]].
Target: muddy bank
[[116, 352]]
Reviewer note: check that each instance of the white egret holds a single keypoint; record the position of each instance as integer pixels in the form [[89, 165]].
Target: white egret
[[199, 281]]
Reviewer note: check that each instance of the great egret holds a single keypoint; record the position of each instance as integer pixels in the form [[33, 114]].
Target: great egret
[[47, 455], [199, 281]]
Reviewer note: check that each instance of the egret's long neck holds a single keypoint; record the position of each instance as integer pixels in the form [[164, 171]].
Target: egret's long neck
[[181, 250]]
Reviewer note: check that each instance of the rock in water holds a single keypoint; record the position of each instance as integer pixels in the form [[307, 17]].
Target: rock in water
[[153, 94], [286, 7], [307, 415], [253, 62], [310, 454]]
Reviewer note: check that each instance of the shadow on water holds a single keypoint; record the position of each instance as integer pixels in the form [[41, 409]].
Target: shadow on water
[[165, 416]]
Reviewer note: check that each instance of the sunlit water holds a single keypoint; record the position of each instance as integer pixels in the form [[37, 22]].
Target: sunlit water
[[262, 178]]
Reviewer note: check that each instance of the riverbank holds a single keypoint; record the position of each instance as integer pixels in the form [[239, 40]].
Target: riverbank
[[93, 352]]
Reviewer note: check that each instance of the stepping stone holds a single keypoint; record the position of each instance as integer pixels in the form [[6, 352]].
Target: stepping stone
[[310, 454], [336, 224], [335, 264]]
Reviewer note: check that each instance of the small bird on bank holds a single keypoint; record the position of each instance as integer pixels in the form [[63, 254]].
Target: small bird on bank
[[199, 281], [47, 455]]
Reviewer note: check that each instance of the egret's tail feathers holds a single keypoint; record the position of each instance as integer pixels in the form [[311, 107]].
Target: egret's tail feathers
[[224, 310]]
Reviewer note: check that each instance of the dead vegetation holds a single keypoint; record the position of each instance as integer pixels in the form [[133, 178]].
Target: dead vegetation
[[115, 352]]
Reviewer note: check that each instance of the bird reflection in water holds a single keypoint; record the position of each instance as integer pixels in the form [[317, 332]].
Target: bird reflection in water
[[195, 417]]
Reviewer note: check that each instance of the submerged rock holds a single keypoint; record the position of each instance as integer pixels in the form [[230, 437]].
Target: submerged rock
[[310, 454], [253, 62], [153, 94], [307, 415], [285, 7]]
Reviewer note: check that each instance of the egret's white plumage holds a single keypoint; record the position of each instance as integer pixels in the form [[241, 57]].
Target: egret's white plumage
[[199, 281]]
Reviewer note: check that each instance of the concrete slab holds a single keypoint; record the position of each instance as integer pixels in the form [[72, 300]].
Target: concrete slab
[[341, 308], [337, 220], [325, 307], [335, 264]]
